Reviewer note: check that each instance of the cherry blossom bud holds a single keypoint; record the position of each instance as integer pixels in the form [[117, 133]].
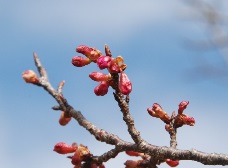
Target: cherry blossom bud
[[133, 153], [152, 112], [104, 62], [172, 163], [131, 164], [79, 61], [188, 120], [168, 128], [98, 76], [92, 53], [64, 119], [161, 113], [157, 111], [76, 158], [125, 85], [81, 154], [116, 65], [63, 148], [113, 67], [182, 106], [30, 77], [102, 88]]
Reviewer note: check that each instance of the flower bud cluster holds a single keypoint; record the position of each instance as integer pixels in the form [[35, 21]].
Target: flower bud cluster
[[81, 154], [158, 112], [181, 118], [113, 65]]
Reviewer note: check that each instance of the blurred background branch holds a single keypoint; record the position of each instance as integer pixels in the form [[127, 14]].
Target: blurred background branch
[[211, 18]]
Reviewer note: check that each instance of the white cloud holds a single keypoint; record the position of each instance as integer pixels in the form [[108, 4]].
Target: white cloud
[[89, 17]]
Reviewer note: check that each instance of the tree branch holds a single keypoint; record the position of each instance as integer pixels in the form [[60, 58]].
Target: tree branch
[[156, 152]]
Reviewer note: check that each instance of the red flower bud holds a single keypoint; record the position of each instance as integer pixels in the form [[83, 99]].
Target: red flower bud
[[172, 163], [158, 112], [168, 128], [64, 120], [98, 76], [113, 67], [76, 158], [131, 164], [63, 148], [182, 106], [81, 154], [92, 53], [152, 112], [116, 65], [188, 120], [79, 61], [30, 77], [133, 153], [104, 62], [102, 88], [125, 85], [158, 109]]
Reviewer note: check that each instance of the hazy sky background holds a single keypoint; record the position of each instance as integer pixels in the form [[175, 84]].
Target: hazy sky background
[[150, 35]]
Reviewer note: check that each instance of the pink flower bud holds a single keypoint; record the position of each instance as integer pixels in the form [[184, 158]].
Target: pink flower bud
[[188, 120], [116, 65], [125, 85], [79, 61], [157, 111], [92, 53], [81, 154], [172, 163], [131, 164], [76, 158], [64, 120], [182, 106], [98, 76], [152, 112], [133, 153], [30, 77], [113, 67], [102, 88], [63, 148], [104, 62], [168, 128]]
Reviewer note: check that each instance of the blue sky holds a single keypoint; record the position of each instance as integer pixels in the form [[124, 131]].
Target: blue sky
[[150, 35]]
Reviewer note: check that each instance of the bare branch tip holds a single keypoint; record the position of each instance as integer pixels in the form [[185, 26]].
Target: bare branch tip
[[56, 108], [34, 54]]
